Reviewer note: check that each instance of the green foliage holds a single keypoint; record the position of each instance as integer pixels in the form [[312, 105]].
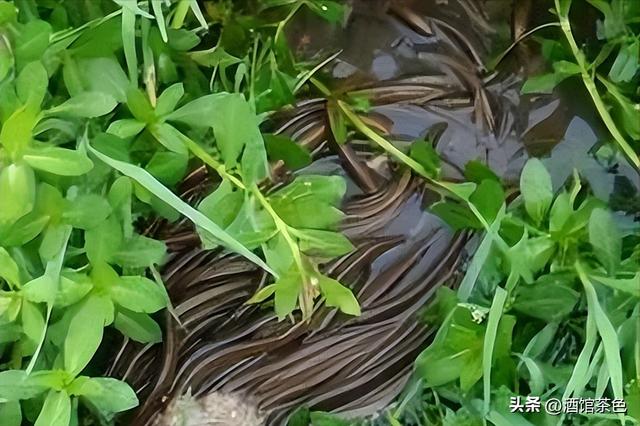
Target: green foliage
[[607, 64], [101, 106]]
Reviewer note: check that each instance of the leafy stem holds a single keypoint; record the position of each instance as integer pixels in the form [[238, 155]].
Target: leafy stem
[[589, 83], [208, 159]]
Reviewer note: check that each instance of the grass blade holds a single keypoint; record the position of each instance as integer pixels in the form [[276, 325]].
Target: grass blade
[[129, 43], [156, 5], [156, 188], [495, 313]]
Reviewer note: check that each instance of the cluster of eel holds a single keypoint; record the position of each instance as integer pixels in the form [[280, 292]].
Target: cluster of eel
[[225, 362]]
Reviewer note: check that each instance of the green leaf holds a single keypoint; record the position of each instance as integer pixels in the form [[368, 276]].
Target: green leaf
[[140, 106], [103, 241], [33, 326], [86, 105], [17, 384], [56, 410], [17, 192], [169, 137], [626, 65], [287, 289], [137, 326], [168, 99], [338, 296], [140, 252], [9, 268], [17, 130], [629, 285], [104, 75], [109, 396], [307, 213], [126, 128], [223, 205], [425, 154], [86, 211], [456, 215], [10, 411], [323, 243], [32, 84], [331, 11], [329, 189], [32, 41], [85, 333], [138, 294], [605, 239], [543, 83], [489, 348], [168, 167], [285, 149], [262, 294], [199, 219], [73, 287], [488, 198], [24, 230], [549, 301], [476, 171], [59, 161], [536, 188]]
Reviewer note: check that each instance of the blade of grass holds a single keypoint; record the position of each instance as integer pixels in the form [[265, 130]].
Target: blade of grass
[[495, 313], [193, 4], [156, 188], [607, 333], [129, 43], [156, 5]]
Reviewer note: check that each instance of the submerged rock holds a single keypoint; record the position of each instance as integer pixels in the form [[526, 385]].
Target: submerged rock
[[214, 409]]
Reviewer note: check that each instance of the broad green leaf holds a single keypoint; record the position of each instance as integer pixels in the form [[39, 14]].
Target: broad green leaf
[[104, 75], [59, 161], [137, 326], [73, 287], [425, 154], [17, 384], [287, 289], [103, 241], [126, 128], [476, 171], [199, 219], [169, 137], [8, 12], [138, 294], [545, 301], [17, 130], [17, 192], [488, 198], [456, 215], [283, 148], [86, 211], [86, 105], [536, 188], [168, 99], [329, 189], [168, 167], [278, 254], [544, 83], [140, 252], [140, 106], [9, 268], [24, 230], [56, 410], [338, 296], [605, 239], [84, 334], [626, 65], [222, 205], [10, 411], [307, 212], [109, 396], [323, 243], [41, 289], [32, 41], [32, 84]]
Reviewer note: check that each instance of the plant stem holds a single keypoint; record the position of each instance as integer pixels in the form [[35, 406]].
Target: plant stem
[[306, 296], [203, 155], [590, 85]]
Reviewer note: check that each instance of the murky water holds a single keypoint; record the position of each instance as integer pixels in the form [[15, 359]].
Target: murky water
[[422, 66]]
